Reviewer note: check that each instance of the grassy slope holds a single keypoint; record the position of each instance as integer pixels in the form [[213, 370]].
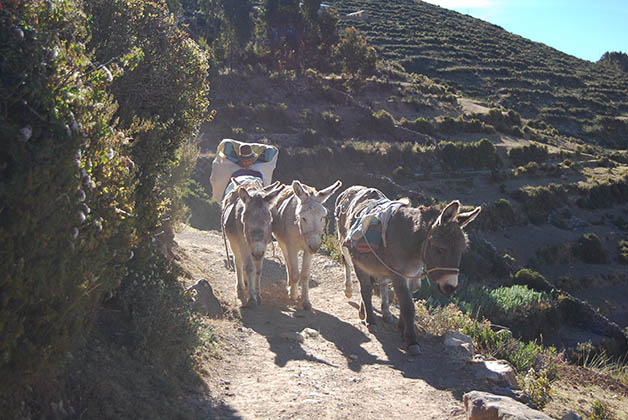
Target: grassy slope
[[485, 61]]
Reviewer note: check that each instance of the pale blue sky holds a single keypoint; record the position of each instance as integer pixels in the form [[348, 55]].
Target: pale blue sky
[[585, 29]]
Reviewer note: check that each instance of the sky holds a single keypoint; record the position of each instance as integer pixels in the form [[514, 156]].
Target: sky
[[583, 28]]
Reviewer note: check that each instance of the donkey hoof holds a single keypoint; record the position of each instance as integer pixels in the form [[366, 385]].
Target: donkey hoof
[[348, 293], [241, 295], [372, 328], [388, 318], [252, 303], [307, 306], [414, 349], [362, 312]]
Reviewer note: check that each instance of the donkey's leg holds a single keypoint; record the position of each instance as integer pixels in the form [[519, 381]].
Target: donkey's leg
[[366, 289], [305, 279], [250, 272], [258, 264], [291, 256], [406, 319], [239, 269], [384, 293], [346, 261]]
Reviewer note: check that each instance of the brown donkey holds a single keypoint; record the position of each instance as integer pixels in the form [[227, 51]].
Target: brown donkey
[[246, 221], [417, 241], [298, 225]]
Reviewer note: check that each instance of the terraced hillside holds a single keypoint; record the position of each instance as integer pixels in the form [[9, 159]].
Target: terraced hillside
[[579, 98]]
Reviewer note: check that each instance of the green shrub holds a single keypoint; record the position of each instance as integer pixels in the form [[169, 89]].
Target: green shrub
[[355, 55], [478, 155], [532, 279], [537, 385], [539, 201], [510, 298], [530, 153], [420, 124], [66, 187], [330, 246], [401, 174], [589, 249], [204, 213], [383, 121], [600, 411], [93, 154], [496, 216], [623, 251]]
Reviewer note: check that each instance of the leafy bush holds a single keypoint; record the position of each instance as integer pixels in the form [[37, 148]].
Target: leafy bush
[[478, 155], [600, 411], [420, 124], [532, 279], [530, 153], [537, 385], [539, 201], [66, 187], [496, 216], [330, 246], [383, 121], [589, 249], [355, 55], [204, 213], [90, 167], [510, 298], [623, 251]]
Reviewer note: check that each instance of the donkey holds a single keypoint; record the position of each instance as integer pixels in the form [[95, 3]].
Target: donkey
[[418, 240], [298, 224], [246, 221]]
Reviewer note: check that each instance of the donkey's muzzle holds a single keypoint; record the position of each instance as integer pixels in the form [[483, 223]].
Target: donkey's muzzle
[[447, 289], [258, 255], [314, 248]]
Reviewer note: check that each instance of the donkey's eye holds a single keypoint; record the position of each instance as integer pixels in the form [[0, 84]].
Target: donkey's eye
[[304, 220], [440, 250]]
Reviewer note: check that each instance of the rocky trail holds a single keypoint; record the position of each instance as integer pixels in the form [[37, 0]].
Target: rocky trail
[[277, 361]]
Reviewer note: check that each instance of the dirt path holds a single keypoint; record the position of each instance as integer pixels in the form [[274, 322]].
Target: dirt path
[[341, 371]]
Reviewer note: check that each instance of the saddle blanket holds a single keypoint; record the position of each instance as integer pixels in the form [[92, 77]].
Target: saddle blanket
[[243, 179], [369, 227]]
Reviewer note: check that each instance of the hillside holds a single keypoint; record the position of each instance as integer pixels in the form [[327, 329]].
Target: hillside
[[579, 98], [551, 202]]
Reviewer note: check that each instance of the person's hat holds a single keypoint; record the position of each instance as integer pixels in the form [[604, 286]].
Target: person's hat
[[246, 152]]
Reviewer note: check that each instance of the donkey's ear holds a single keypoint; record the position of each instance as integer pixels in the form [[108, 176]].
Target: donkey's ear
[[464, 219], [271, 186], [271, 196], [243, 194], [450, 212], [299, 191], [235, 181], [325, 193]]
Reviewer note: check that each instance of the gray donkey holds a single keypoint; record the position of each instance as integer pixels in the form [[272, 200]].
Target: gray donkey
[[298, 225], [418, 241], [246, 221]]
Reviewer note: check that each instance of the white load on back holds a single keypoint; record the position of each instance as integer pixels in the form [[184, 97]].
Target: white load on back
[[226, 163]]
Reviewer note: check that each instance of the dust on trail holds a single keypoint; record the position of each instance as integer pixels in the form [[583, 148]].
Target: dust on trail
[[344, 371]]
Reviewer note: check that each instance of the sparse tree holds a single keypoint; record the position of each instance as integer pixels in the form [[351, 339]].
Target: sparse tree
[[355, 55]]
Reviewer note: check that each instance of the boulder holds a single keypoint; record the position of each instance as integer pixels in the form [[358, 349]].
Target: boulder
[[496, 372], [203, 299], [459, 344], [484, 406]]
